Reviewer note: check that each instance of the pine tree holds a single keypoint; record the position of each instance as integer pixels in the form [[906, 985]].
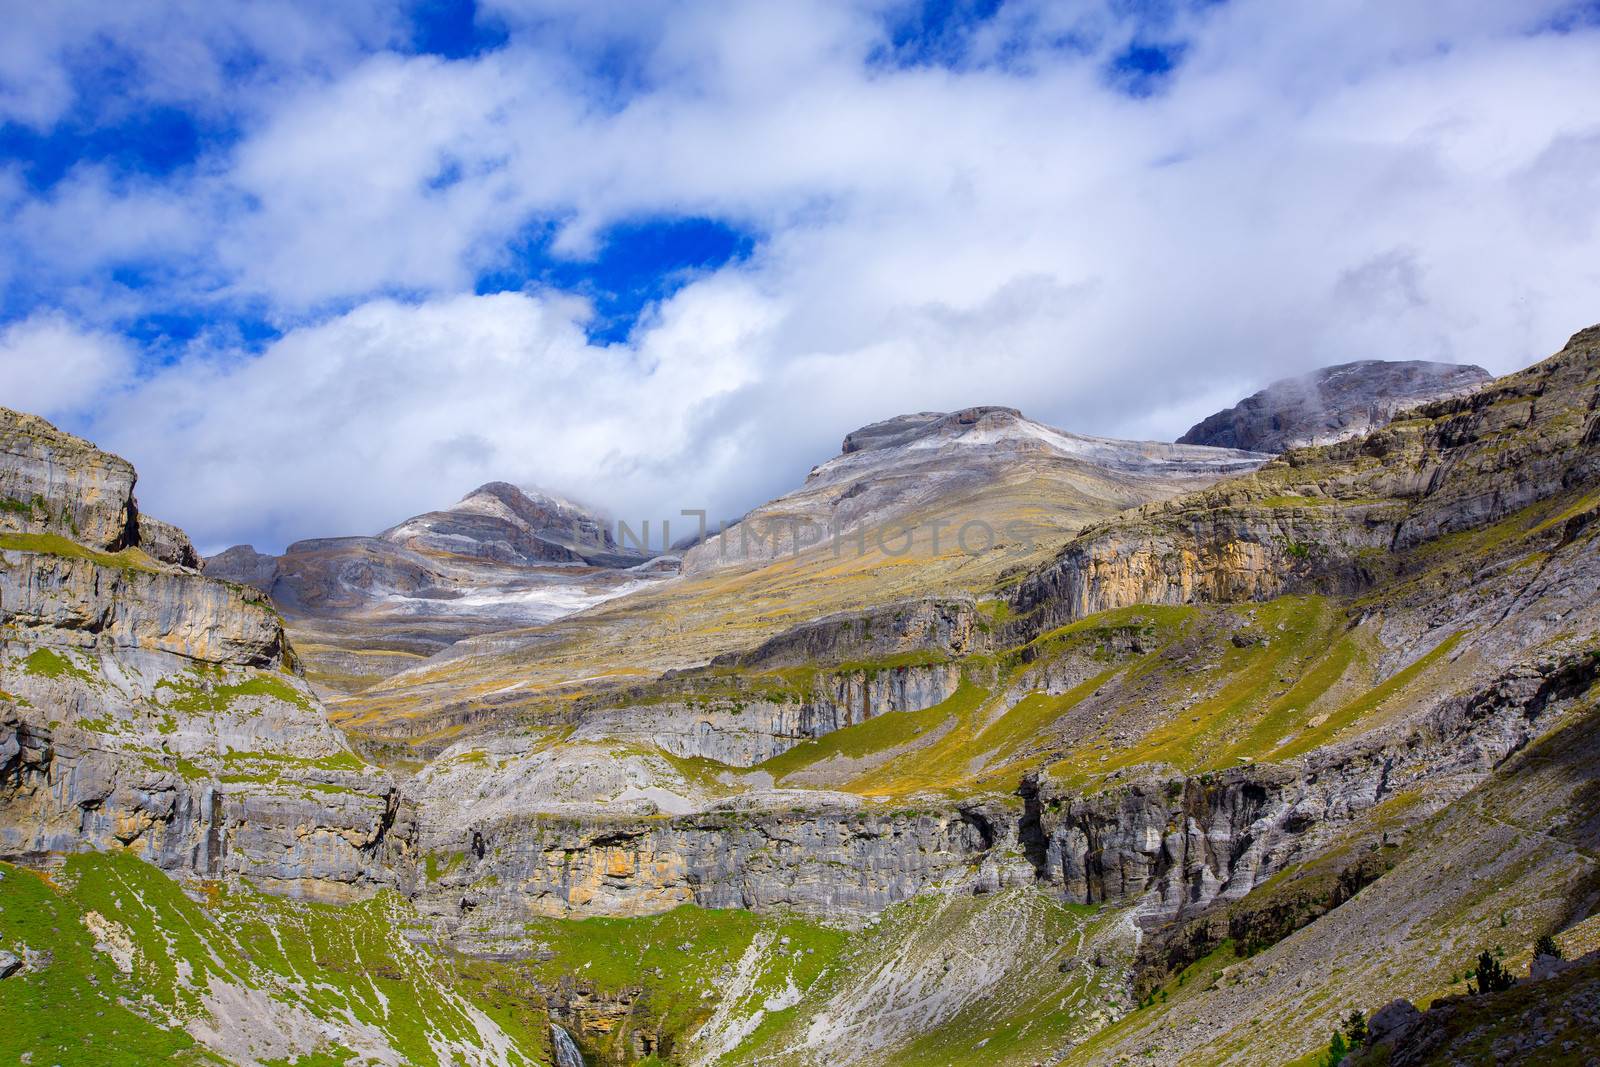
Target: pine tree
[[1492, 975], [1355, 1030], [1337, 1050], [1546, 946]]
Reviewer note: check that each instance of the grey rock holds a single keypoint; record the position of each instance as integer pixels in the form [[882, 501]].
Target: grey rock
[[1393, 1021], [76, 601], [743, 732], [888, 474], [943, 625], [499, 559], [52, 482], [1331, 404], [10, 964], [165, 542], [243, 565]]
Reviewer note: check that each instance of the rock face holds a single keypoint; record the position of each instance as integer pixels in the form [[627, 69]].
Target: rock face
[[243, 565], [56, 484], [1322, 520], [741, 729], [1180, 844], [63, 600], [1332, 404], [944, 625], [888, 472], [815, 856], [146, 708], [52, 482]]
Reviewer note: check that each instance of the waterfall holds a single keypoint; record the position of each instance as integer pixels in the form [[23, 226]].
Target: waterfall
[[566, 1050]]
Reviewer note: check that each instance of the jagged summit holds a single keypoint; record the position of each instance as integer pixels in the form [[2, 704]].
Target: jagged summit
[[1332, 403], [502, 522], [500, 557]]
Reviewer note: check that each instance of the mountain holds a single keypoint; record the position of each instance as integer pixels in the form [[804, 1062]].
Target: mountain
[[923, 504], [893, 472], [363, 607], [1332, 404], [1188, 781]]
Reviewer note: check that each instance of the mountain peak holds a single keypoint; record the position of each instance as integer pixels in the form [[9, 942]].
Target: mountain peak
[[1332, 403], [902, 429]]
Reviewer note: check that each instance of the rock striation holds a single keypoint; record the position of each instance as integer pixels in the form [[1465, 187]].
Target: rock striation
[[146, 708], [1332, 404], [58, 485], [500, 558], [894, 474], [1324, 519]]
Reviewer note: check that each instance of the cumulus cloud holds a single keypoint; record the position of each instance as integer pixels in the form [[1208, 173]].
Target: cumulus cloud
[[50, 367], [983, 218]]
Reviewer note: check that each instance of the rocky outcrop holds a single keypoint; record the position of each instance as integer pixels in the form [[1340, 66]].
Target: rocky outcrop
[[81, 601], [52, 482], [1546, 1018], [811, 854], [1328, 519], [146, 708], [1178, 844], [945, 626], [1331, 404], [741, 730], [243, 565], [308, 829], [166, 543]]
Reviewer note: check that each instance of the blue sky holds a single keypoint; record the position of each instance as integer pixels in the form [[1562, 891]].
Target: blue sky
[[314, 269]]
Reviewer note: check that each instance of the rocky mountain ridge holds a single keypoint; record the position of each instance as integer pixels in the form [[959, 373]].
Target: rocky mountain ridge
[[500, 558], [1332, 403], [892, 473], [1123, 802]]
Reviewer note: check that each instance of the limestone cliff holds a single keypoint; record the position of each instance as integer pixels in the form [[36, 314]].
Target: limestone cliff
[[146, 708], [1326, 519]]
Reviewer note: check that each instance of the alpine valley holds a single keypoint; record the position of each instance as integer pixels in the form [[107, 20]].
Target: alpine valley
[[1115, 753]]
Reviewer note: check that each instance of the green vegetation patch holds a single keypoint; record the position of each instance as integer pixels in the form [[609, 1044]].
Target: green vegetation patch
[[129, 559], [685, 960], [209, 691], [159, 950], [48, 663]]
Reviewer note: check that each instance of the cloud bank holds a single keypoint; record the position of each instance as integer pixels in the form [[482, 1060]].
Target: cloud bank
[[1115, 217]]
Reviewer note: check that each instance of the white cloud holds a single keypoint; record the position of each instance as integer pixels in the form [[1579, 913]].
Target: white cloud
[[50, 367], [391, 409], [1319, 184]]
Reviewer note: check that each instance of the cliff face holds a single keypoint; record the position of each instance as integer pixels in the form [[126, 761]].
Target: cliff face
[[102, 602], [145, 708], [1332, 404], [55, 484], [1181, 844], [1322, 519], [742, 729], [827, 860]]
